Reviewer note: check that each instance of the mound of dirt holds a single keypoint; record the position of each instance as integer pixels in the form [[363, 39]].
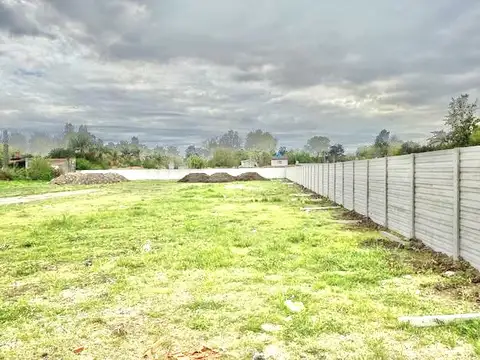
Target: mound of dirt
[[221, 178], [250, 176], [88, 179], [195, 178]]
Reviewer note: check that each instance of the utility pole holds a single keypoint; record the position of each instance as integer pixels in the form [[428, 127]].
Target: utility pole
[[5, 149]]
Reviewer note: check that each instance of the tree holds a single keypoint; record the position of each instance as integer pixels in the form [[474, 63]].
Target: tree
[[336, 152], [260, 140], [318, 145], [224, 158], [5, 149], [438, 139], [382, 142], [475, 137], [135, 141], [191, 150], [409, 147], [173, 150], [81, 142], [461, 120], [230, 140], [282, 151]]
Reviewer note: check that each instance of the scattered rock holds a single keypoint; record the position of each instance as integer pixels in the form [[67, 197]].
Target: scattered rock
[[88, 179], [271, 327], [147, 247], [449, 273], [407, 276], [79, 350], [258, 356], [294, 306], [88, 262]]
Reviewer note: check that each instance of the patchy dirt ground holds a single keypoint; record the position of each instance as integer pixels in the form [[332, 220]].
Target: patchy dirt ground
[[31, 198]]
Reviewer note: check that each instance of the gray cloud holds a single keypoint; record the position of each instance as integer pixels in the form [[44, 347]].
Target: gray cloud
[[178, 71], [17, 24]]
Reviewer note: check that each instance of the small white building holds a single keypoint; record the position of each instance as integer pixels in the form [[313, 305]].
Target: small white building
[[248, 163], [279, 161]]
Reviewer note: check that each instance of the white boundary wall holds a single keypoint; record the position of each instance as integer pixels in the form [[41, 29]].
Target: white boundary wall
[[433, 197], [143, 174]]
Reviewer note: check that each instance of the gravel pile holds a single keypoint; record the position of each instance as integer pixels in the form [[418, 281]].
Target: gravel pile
[[222, 178], [195, 178], [88, 179], [250, 176]]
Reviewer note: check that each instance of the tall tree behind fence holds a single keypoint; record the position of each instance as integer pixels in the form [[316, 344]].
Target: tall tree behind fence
[[433, 197]]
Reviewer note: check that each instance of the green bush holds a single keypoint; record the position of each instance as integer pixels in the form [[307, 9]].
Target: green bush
[[196, 162], [5, 175], [40, 169], [149, 164], [84, 164], [19, 174], [61, 153]]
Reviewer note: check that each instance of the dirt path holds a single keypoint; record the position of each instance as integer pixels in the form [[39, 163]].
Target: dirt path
[[30, 198]]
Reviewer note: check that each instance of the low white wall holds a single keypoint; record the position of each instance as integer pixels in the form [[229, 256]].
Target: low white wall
[[143, 174]]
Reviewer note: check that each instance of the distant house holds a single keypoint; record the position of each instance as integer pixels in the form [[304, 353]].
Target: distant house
[[248, 163], [279, 161]]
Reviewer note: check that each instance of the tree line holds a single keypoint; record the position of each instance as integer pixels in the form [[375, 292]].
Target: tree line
[[229, 149]]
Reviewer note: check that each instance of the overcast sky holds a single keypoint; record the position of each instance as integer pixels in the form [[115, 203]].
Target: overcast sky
[[180, 71]]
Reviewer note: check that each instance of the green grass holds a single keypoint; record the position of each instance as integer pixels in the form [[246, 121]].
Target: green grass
[[222, 263], [22, 188]]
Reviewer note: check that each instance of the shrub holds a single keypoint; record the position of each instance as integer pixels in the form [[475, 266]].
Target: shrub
[[61, 153], [196, 162], [149, 164], [40, 169], [5, 175], [84, 164], [19, 174]]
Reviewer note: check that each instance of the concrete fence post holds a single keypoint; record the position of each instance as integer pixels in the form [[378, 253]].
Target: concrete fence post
[[343, 183], [386, 191], [328, 180], [335, 183], [353, 187], [412, 192], [368, 189], [456, 203]]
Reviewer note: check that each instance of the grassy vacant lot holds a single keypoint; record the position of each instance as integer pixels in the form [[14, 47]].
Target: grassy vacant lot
[[22, 188], [223, 260]]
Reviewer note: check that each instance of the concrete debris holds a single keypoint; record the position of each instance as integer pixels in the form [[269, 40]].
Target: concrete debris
[[88, 179], [147, 247], [294, 306], [271, 327]]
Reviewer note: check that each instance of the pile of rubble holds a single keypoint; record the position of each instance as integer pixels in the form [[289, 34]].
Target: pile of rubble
[[250, 176], [220, 178], [88, 179]]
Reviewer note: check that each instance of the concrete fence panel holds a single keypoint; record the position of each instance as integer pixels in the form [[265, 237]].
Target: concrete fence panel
[[361, 186], [400, 194], [470, 205], [377, 195], [348, 185], [434, 198], [331, 181], [339, 183]]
